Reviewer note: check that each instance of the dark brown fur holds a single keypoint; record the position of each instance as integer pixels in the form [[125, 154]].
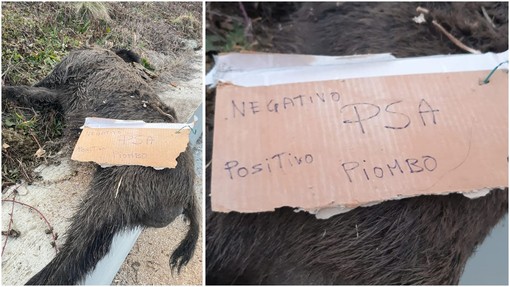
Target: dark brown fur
[[98, 83], [421, 240]]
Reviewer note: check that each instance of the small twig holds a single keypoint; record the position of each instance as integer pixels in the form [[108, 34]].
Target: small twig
[[488, 18], [15, 189], [118, 186], [422, 10], [8, 67], [455, 41], [245, 15], [40, 147], [247, 24], [229, 17], [208, 164], [159, 110], [23, 170], [9, 226], [42, 216]]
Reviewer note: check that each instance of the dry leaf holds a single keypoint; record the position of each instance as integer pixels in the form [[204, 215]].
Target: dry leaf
[[5, 146], [40, 153]]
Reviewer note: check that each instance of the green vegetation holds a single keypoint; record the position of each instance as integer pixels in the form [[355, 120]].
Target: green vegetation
[[36, 36], [145, 63], [233, 40]]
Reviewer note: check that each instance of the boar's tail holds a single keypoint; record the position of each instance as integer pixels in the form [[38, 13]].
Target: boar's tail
[[183, 253]]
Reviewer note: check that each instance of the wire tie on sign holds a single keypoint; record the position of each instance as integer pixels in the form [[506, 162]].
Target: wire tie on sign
[[194, 131], [486, 81]]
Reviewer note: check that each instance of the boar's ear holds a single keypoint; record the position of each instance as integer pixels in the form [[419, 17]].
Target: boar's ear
[[128, 56]]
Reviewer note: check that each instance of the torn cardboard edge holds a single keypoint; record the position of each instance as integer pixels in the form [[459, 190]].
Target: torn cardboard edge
[[112, 142], [243, 77], [330, 211], [269, 69], [327, 212]]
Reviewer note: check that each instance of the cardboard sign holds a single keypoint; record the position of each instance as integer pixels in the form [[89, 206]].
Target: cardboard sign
[[113, 142], [358, 141]]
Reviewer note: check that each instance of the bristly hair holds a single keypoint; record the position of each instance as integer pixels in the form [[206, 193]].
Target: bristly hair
[[128, 56]]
